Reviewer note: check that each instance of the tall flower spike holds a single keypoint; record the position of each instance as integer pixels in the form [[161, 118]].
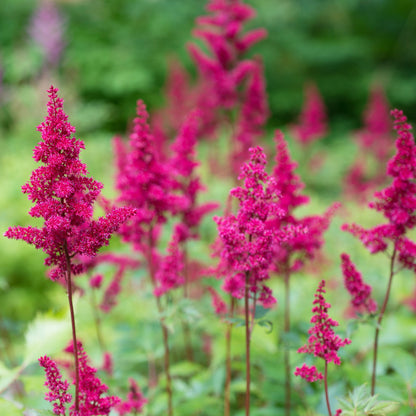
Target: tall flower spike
[[397, 202], [64, 195], [91, 389], [143, 182], [58, 389], [312, 123], [246, 238], [322, 341]]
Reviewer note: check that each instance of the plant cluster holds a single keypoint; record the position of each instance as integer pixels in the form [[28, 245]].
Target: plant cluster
[[257, 259]]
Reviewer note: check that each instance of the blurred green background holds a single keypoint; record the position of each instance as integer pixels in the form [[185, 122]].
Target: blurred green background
[[116, 51]]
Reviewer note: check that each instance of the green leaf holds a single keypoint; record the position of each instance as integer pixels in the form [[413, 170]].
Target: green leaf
[[266, 324], [45, 335], [260, 312]]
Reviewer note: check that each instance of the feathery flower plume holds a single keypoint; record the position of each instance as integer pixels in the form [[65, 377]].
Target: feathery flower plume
[[91, 389], [247, 241], [64, 197], [135, 400], [375, 144], [312, 124], [322, 342], [234, 82], [58, 389], [144, 183], [46, 30], [361, 292], [397, 203]]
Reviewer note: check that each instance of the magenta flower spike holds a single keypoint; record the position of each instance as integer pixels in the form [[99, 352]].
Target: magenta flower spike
[[397, 203], [312, 123], [360, 292], [91, 389], [246, 238], [322, 342], [135, 400], [64, 196], [58, 389], [143, 182]]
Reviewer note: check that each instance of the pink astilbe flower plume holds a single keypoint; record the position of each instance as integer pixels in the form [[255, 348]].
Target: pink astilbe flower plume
[[375, 146], [247, 241], [235, 83], [170, 271], [312, 124], [143, 182], [91, 389], [306, 236], [183, 164], [64, 196], [397, 202], [135, 400], [322, 341], [361, 292], [58, 389]]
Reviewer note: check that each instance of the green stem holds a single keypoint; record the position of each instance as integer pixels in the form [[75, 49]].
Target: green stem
[[165, 332], [380, 318]]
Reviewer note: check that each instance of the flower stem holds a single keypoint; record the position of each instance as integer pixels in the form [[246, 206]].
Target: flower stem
[[380, 318], [74, 333], [228, 333], [247, 322], [288, 372], [326, 388], [163, 326], [185, 325]]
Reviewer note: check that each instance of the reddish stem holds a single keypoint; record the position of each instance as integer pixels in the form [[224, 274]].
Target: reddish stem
[[74, 333], [162, 324], [380, 318], [326, 388], [247, 322], [228, 361], [288, 372]]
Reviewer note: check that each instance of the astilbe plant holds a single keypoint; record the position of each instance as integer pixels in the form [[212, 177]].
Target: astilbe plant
[[312, 123], [302, 243], [397, 202], [361, 300], [322, 343], [246, 253], [375, 145], [235, 84], [64, 195]]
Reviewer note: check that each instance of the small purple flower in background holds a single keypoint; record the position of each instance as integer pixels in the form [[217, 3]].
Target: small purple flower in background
[[361, 292], [46, 29], [322, 341]]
